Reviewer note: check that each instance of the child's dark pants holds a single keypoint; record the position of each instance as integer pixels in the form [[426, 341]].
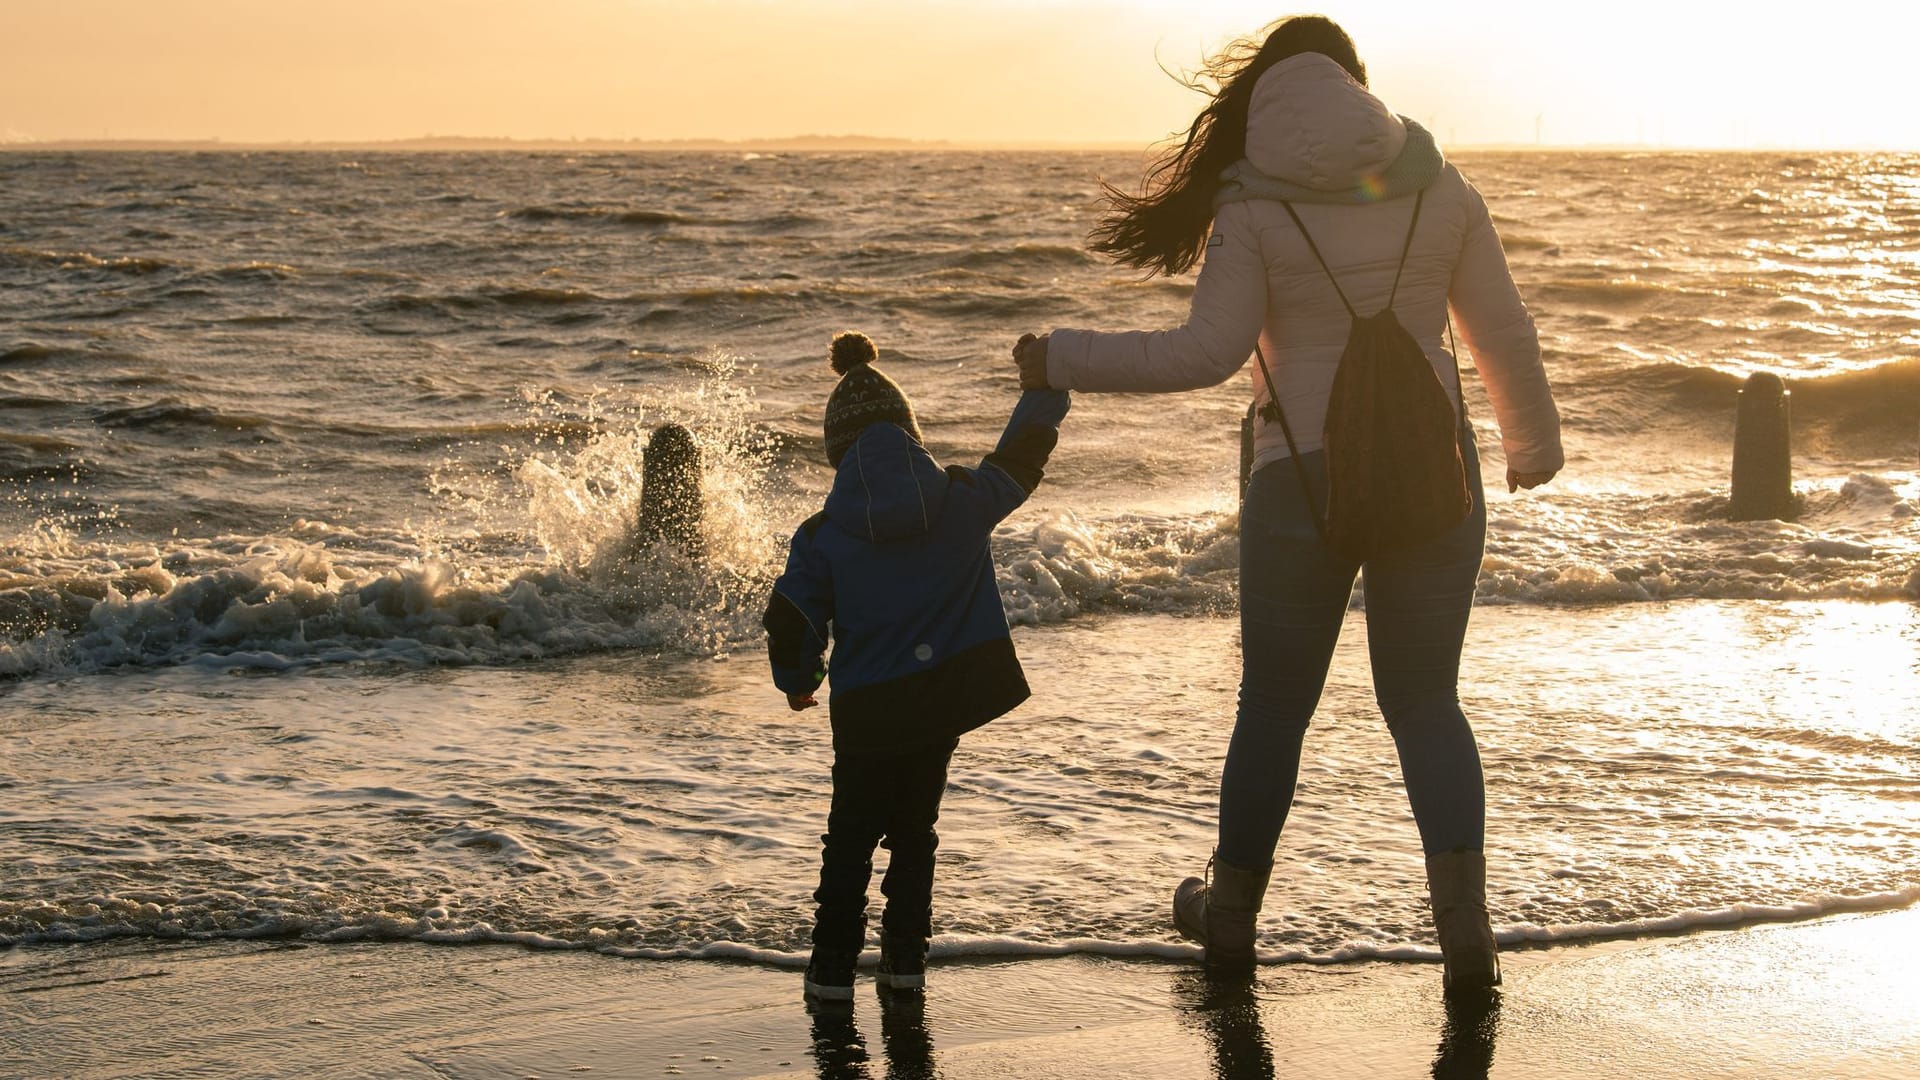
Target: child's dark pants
[[890, 795]]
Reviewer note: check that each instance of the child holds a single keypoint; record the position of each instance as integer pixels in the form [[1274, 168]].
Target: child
[[897, 567]]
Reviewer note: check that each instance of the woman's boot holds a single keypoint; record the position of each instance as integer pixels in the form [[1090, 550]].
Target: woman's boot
[[1457, 883], [1222, 916]]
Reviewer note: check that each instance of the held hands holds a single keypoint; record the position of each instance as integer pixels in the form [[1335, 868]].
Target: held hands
[[800, 702], [1529, 480], [1030, 354]]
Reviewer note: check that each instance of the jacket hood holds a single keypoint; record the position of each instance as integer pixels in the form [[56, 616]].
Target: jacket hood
[[1418, 166], [888, 487], [1309, 123]]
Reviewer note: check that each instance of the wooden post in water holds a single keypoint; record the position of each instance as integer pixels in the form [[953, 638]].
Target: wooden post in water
[[1763, 451], [671, 499]]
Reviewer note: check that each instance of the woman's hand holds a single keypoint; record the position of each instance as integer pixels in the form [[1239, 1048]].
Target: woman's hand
[[800, 702], [1030, 353], [1529, 480]]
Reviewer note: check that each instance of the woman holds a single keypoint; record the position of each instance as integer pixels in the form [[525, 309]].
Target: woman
[[1292, 130]]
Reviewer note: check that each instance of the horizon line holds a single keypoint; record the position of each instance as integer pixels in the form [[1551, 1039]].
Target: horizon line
[[820, 143]]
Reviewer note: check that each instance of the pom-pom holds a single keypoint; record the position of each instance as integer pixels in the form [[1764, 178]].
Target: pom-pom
[[851, 350]]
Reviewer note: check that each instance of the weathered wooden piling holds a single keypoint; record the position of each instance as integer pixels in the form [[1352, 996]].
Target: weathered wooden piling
[[671, 499], [1763, 451]]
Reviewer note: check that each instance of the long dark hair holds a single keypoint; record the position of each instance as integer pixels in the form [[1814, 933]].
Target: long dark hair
[[1163, 229]]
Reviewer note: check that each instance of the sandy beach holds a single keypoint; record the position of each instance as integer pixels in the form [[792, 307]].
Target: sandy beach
[[1830, 998]]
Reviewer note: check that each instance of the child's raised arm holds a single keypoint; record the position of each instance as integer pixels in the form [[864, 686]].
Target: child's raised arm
[[1014, 469]]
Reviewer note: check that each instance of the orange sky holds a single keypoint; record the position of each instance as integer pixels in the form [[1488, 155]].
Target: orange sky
[[1068, 71]]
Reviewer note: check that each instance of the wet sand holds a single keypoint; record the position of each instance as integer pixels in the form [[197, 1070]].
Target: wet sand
[[1838, 997]]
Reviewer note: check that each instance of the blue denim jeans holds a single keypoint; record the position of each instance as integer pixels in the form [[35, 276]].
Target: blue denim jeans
[[1293, 598]]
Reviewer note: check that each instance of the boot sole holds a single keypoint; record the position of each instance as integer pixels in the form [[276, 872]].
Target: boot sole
[[1470, 983], [1237, 968], [826, 993]]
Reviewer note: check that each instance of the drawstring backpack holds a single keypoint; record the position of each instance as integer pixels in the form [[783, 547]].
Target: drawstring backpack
[[1395, 477]]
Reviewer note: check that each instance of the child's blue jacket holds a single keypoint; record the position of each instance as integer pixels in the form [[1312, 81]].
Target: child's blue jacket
[[898, 571]]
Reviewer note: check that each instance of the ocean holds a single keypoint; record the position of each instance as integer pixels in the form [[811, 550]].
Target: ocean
[[321, 616]]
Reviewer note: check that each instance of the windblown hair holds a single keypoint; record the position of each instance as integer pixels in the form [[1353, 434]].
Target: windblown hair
[[1163, 230]]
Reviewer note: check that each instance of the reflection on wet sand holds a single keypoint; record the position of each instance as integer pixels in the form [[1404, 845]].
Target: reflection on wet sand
[[840, 1051], [1466, 1039], [1227, 1015]]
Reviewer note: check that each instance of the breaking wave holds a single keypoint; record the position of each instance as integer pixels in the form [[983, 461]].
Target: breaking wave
[[547, 568]]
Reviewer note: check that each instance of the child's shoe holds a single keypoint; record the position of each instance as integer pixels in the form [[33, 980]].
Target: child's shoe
[[903, 963], [830, 974]]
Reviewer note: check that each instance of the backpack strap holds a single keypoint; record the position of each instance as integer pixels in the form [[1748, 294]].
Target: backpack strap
[[1322, 259], [1266, 373], [1293, 448], [1459, 384], [1405, 247]]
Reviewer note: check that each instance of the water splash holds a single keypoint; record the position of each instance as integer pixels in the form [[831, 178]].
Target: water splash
[[528, 555]]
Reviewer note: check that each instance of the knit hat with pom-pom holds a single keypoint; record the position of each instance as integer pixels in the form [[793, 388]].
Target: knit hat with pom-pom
[[864, 396]]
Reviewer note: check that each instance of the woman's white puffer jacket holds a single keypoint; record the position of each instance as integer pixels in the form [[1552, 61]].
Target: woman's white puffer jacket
[[1310, 123]]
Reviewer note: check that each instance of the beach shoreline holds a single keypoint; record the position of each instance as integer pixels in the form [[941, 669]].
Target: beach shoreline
[[1831, 997], [340, 716]]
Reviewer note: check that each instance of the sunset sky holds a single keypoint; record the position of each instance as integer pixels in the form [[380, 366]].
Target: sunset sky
[[1837, 74]]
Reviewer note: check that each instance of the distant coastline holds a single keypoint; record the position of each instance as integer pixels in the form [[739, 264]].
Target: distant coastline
[[464, 143], [789, 144]]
